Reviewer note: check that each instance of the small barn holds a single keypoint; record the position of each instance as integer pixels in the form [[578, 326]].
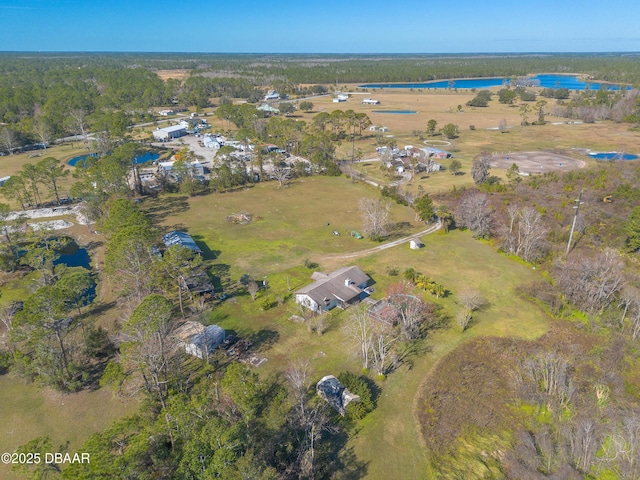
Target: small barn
[[335, 394], [181, 238], [199, 340]]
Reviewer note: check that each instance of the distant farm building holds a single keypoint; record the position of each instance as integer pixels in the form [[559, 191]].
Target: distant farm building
[[268, 109], [338, 289], [180, 238], [167, 133], [335, 394], [429, 166], [210, 142], [271, 95], [195, 168], [436, 152], [370, 101], [340, 98], [166, 113]]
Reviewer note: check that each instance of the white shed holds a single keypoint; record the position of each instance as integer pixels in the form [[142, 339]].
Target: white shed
[[416, 244]]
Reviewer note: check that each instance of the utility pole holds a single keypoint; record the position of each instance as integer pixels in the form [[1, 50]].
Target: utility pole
[[575, 218]]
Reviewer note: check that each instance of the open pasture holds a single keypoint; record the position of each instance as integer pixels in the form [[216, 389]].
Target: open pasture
[[29, 411], [288, 224]]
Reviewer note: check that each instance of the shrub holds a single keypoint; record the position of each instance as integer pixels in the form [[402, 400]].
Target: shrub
[[5, 362], [359, 386]]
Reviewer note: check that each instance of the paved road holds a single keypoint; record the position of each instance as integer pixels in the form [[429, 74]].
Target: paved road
[[361, 253]]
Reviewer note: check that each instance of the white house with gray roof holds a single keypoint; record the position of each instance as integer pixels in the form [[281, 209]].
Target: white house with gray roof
[[337, 289]]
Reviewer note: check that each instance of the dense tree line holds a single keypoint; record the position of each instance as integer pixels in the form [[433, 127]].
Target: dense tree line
[[39, 93]]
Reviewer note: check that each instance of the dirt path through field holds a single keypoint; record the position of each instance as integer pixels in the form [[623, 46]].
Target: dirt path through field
[[362, 253]]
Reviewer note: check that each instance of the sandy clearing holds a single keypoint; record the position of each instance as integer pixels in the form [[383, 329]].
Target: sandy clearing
[[536, 162]]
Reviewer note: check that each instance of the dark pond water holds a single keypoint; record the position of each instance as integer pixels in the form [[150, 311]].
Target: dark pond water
[[147, 157], [73, 255]]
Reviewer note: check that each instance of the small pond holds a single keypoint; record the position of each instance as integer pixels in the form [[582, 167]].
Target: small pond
[[72, 255], [81, 159], [147, 157], [613, 156], [397, 112]]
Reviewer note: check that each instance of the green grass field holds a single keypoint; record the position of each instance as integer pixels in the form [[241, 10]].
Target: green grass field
[[289, 224], [389, 441], [29, 411]]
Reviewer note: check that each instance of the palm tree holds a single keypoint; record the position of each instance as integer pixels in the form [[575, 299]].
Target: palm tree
[[410, 274]]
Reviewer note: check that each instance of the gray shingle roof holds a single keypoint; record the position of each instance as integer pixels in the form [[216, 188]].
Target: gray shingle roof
[[334, 285]]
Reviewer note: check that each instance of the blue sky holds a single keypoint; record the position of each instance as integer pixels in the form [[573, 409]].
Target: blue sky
[[279, 26]]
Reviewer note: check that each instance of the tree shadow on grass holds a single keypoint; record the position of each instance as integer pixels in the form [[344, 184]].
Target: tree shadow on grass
[[92, 373], [216, 317], [221, 279], [343, 462], [98, 308], [263, 339], [92, 246], [167, 207], [207, 253], [398, 230], [440, 319], [411, 349]]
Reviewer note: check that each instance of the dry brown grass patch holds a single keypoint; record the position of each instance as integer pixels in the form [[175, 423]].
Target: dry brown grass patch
[[178, 74]]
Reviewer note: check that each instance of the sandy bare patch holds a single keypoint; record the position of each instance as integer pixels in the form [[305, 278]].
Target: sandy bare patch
[[75, 211], [536, 162], [51, 225], [177, 74]]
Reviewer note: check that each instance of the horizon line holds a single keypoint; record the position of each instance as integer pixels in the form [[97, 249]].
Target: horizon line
[[593, 52]]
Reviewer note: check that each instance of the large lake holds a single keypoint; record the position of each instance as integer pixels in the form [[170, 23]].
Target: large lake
[[547, 81]]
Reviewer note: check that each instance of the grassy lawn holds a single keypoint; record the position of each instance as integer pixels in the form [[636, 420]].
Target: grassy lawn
[[289, 224], [12, 164], [29, 411], [389, 440]]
